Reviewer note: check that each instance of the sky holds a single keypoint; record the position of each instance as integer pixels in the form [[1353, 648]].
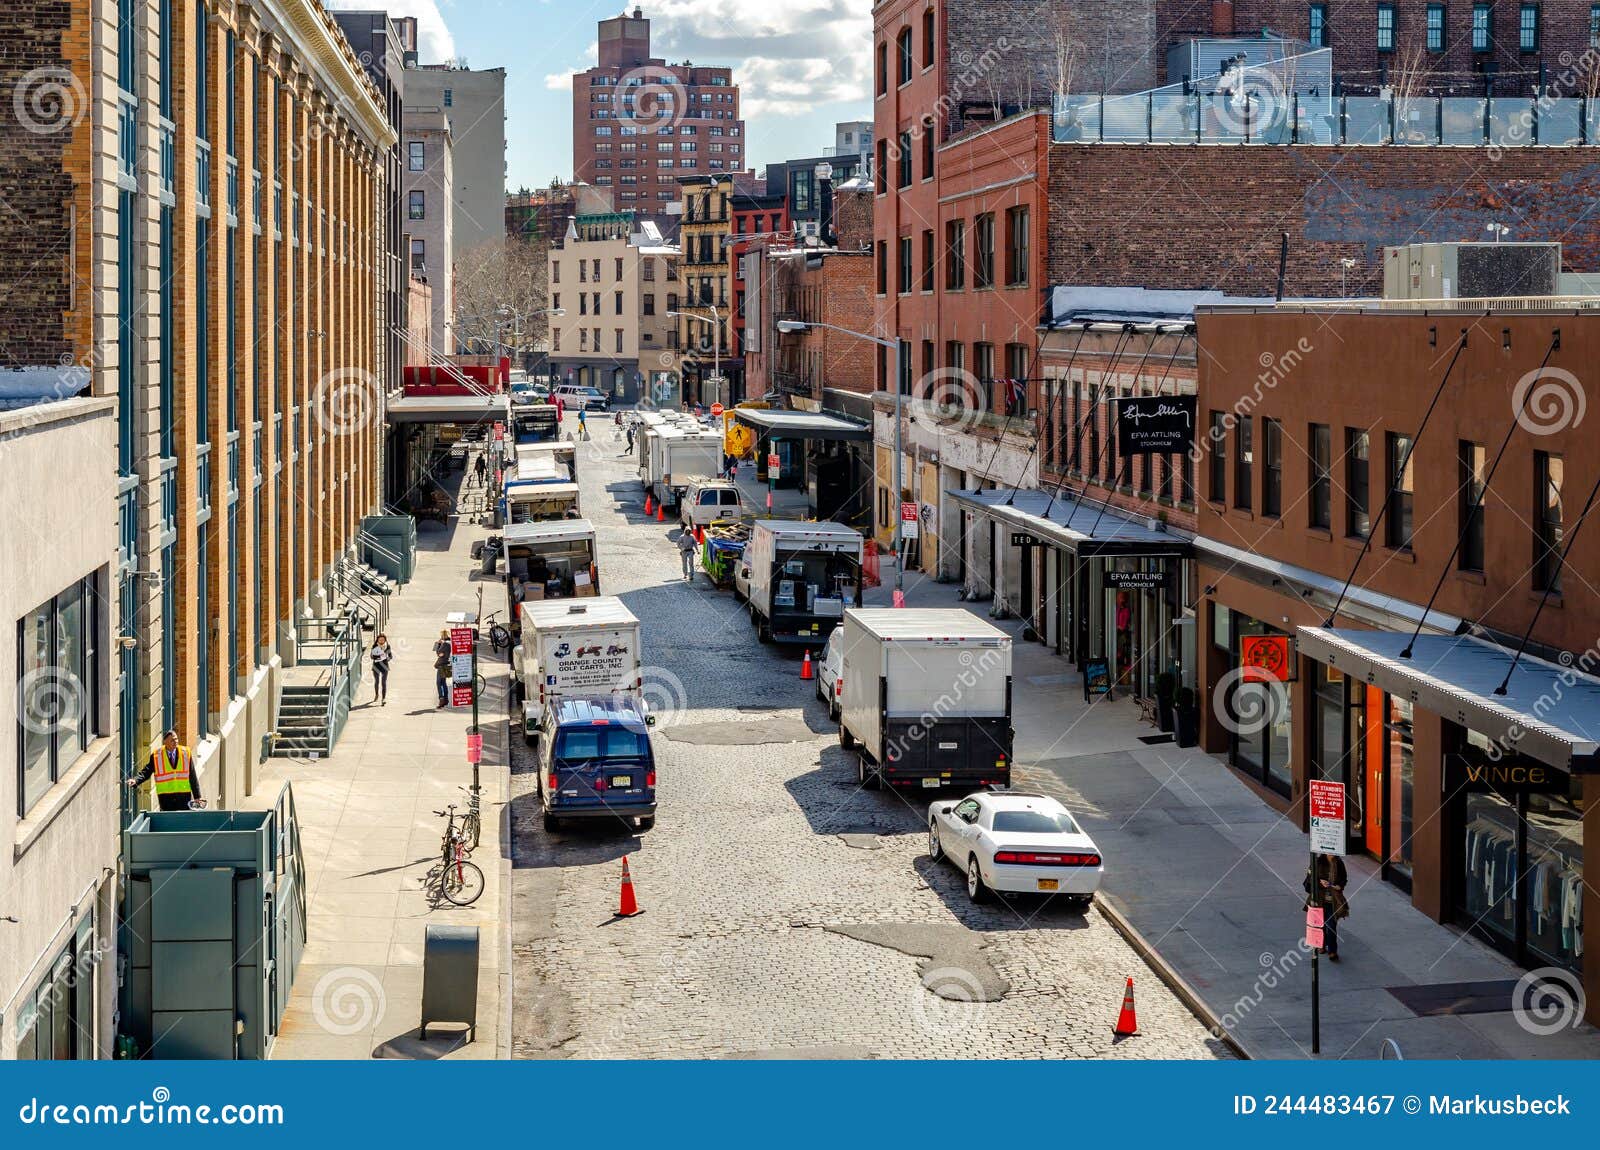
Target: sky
[[802, 64]]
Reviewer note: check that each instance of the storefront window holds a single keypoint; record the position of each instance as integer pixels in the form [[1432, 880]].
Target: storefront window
[[1520, 849], [1402, 771], [1259, 716]]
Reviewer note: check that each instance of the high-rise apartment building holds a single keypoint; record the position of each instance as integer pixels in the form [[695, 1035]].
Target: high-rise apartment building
[[196, 433], [639, 123], [473, 101]]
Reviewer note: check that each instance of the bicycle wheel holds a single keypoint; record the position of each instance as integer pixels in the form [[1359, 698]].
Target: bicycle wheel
[[463, 883], [469, 831]]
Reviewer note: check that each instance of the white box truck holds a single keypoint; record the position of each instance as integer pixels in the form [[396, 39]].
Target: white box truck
[[550, 559], [676, 456], [799, 579], [926, 698], [574, 647]]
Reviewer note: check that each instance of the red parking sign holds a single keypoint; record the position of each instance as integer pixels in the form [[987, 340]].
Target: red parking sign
[[461, 696], [461, 640]]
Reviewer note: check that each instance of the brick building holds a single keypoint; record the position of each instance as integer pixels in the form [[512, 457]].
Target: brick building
[[639, 123], [1395, 561], [704, 234], [758, 217], [540, 215], [220, 175]]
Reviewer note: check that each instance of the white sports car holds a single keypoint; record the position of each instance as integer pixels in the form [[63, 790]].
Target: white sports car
[[1016, 842]]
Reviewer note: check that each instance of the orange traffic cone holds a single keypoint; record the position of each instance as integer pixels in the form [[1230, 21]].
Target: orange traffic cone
[[629, 905], [1127, 1024], [805, 667], [661, 512], [648, 506]]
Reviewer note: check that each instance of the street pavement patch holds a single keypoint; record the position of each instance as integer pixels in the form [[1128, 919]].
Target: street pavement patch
[[740, 734], [954, 966]]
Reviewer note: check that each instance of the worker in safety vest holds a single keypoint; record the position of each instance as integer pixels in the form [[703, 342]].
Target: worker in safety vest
[[172, 767]]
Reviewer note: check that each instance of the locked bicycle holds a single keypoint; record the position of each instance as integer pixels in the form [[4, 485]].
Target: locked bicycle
[[454, 879], [472, 821]]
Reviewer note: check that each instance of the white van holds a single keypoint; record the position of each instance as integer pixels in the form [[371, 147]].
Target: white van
[[707, 500]]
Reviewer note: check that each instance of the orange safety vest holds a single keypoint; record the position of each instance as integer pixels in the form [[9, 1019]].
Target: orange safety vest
[[172, 778]]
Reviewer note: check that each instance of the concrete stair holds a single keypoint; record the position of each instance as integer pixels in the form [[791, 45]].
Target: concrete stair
[[302, 723]]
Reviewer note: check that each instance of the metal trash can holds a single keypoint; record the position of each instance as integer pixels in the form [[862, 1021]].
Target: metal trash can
[[450, 978]]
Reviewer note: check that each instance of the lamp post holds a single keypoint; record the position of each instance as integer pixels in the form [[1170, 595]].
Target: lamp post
[[1500, 230], [1345, 265], [794, 325], [716, 338]]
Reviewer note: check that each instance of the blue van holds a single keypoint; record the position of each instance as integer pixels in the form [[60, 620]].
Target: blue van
[[596, 762]]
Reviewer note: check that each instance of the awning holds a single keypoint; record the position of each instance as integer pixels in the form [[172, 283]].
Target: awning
[[446, 408], [1079, 527], [1550, 713], [800, 424]]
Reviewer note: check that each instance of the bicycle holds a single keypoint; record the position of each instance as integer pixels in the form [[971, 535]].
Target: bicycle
[[472, 821], [453, 878], [499, 636]]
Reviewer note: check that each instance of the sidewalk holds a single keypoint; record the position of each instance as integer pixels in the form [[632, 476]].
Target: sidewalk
[[370, 836], [1210, 875]]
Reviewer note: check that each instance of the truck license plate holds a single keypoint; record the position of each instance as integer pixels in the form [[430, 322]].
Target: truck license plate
[[1049, 884], [948, 746], [623, 781], [930, 782]]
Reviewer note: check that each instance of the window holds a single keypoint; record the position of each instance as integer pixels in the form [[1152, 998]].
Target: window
[[881, 173], [903, 53], [1320, 514], [1244, 458], [649, 305], [1528, 28], [1318, 34], [927, 357], [417, 204], [927, 38], [983, 364], [1469, 514], [883, 268], [955, 256], [1386, 27], [449, 98], [929, 137], [955, 355], [419, 255], [1480, 27], [56, 1021], [418, 154], [619, 269], [1397, 455], [905, 265], [616, 303], [927, 259], [555, 273], [1436, 27], [904, 165], [1017, 247], [904, 346], [619, 340], [1219, 456], [1548, 474], [883, 69], [59, 665], [1594, 25], [983, 250], [1356, 522], [1271, 467]]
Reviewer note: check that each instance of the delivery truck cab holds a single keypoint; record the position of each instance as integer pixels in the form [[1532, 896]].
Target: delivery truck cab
[[925, 698], [574, 647], [799, 579], [596, 763]]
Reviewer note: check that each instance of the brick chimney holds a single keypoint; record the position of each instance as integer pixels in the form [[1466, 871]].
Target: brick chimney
[[1222, 17]]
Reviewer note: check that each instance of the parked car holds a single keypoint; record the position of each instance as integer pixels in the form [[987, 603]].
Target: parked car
[[1016, 842], [829, 669], [596, 762], [587, 398]]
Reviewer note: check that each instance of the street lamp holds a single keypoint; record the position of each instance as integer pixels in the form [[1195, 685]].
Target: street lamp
[[1498, 229], [1345, 265], [795, 325], [716, 338]]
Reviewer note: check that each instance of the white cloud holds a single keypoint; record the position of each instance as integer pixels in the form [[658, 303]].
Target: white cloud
[[561, 81], [435, 44]]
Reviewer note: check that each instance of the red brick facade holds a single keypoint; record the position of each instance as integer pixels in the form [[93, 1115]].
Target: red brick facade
[[1207, 217]]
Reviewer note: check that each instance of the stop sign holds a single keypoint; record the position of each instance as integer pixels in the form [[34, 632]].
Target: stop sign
[[716, 409]]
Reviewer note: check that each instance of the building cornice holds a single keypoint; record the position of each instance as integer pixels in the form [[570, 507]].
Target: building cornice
[[310, 37]]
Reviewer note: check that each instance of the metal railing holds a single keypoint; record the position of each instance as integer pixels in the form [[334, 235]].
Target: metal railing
[[1167, 116], [436, 360]]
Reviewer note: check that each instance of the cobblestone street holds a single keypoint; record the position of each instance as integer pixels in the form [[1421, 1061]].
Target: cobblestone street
[[787, 912]]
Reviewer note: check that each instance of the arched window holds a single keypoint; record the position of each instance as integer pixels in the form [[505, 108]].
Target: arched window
[[927, 38], [903, 43]]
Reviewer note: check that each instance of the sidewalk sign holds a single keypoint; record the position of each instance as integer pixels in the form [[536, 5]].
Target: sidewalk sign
[[461, 695], [1327, 817]]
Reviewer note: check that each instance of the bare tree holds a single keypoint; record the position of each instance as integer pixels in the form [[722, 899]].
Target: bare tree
[[1405, 88], [501, 294], [1067, 50]]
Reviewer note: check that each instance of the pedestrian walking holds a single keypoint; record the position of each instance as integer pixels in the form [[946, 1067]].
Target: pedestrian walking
[[630, 438], [481, 467], [583, 422], [1329, 874], [687, 550], [172, 766], [382, 656], [441, 666], [560, 409], [733, 469]]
